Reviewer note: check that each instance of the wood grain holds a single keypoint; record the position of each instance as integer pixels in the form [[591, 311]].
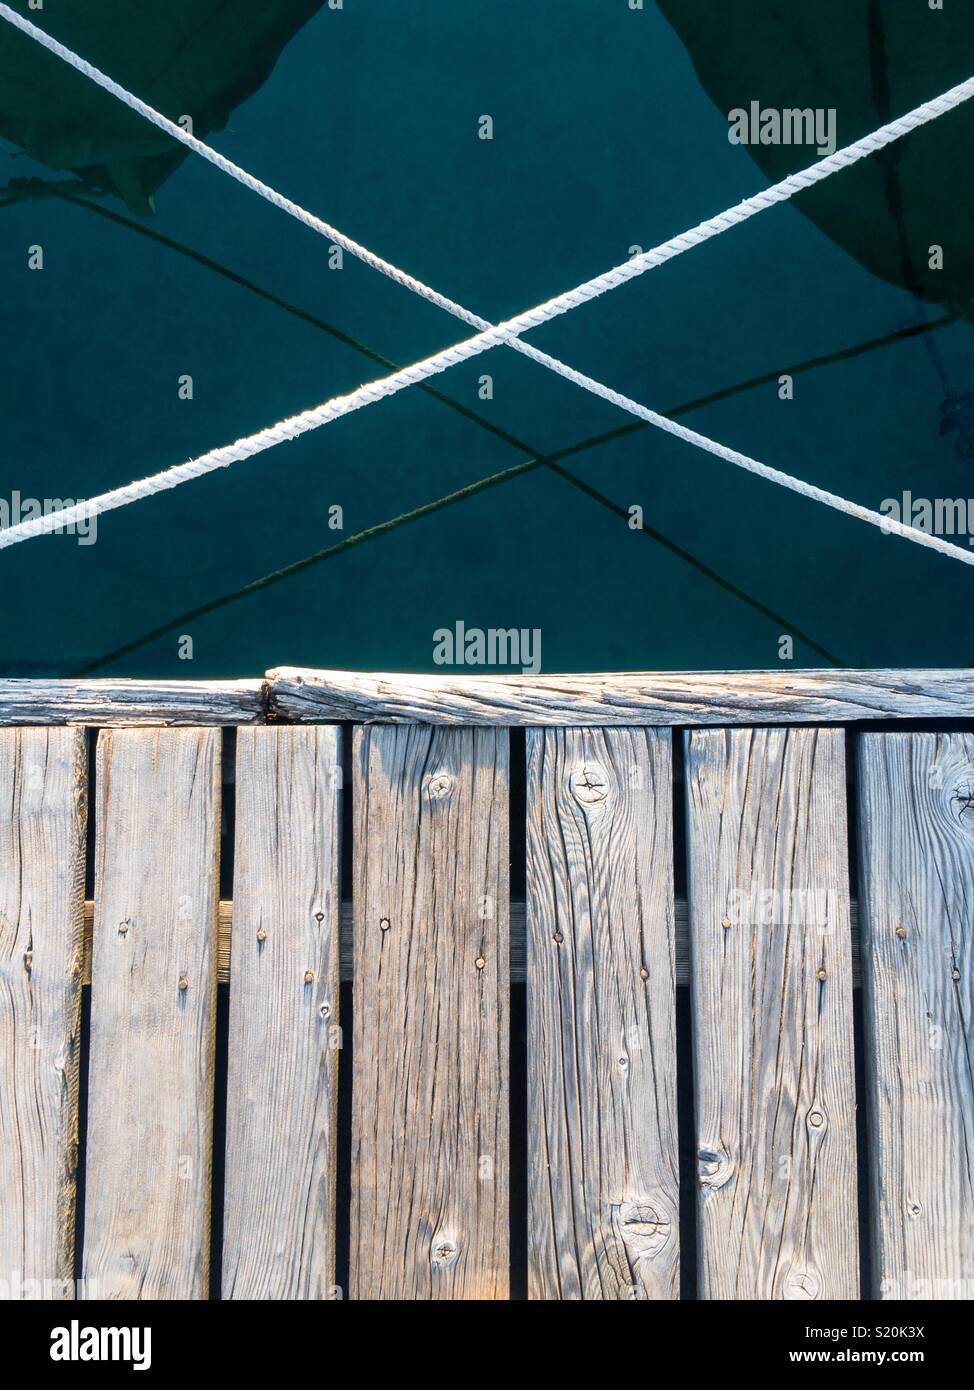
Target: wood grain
[[282, 1089], [150, 1108], [43, 786], [603, 1153], [430, 1124], [916, 835], [771, 984], [125, 702], [651, 698]]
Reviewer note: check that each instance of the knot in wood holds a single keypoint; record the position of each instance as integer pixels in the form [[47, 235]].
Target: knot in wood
[[962, 797], [801, 1284], [443, 1251], [645, 1228], [589, 785], [715, 1168], [440, 784]]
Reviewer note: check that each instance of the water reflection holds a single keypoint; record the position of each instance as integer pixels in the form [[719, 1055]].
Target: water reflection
[[193, 60], [867, 63]]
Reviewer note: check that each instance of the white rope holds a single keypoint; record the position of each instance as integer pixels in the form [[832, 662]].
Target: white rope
[[570, 299], [490, 335], [378, 390]]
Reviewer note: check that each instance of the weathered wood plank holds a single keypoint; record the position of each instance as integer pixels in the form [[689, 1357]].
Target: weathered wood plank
[[282, 1087], [517, 943], [603, 1152], [916, 835], [153, 1008], [653, 698], [124, 702], [429, 1124], [43, 809], [771, 984]]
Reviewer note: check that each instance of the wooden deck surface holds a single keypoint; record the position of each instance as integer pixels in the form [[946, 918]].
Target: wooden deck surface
[[762, 943]]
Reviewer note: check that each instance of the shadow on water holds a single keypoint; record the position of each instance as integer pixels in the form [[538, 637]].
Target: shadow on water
[[193, 60]]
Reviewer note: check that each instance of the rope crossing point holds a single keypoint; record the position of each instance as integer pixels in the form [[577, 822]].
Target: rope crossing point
[[506, 333]]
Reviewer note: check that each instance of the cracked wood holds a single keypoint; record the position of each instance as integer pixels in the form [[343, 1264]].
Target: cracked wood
[[771, 989], [916, 834], [430, 1097], [282, 1088], [637, 698], [43, 790], [153, 1010], [603, 1185]]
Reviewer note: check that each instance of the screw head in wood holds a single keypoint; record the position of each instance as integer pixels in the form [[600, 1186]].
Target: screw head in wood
[[183, 984], [816, 1119], [261, 934], [644, 974], [557, 938], [124, 925], [319, 916], [480, 962], [821, 974], [901, 932], [955, 974], [725, 922], [309, 977], [384, 924]]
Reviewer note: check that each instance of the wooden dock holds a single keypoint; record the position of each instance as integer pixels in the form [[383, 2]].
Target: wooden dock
[[682, 837]]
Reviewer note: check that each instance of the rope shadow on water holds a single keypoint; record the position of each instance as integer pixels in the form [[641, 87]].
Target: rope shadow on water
[[529, 464], [67, 192]]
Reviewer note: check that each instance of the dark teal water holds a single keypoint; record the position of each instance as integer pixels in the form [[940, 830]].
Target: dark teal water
[[604, 138]]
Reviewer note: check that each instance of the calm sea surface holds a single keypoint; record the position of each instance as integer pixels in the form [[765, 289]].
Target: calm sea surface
[[603, 139]]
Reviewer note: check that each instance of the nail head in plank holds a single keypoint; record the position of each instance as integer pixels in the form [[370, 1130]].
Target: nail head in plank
[[153, 1009], [43, 809], [771, 986], [603, 1153], [282, 1088], [652, 698], [430, 1098], [916, 835], [517, 949]]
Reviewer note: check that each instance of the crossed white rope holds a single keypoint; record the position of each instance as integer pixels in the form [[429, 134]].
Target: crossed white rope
[[489, 335]]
